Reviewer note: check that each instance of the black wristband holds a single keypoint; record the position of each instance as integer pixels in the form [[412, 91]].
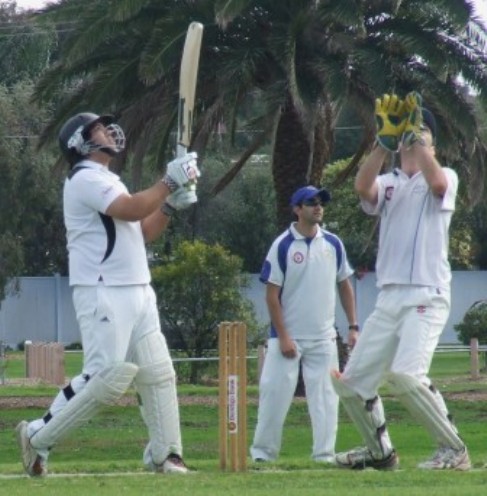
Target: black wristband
[[167, 209], [353, 327]]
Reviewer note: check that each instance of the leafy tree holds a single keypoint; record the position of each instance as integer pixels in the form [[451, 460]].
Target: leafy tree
[[199, 288], [344, 216], [241, 219], [32, 238], [25, 46], [474, 324], [478, 215]]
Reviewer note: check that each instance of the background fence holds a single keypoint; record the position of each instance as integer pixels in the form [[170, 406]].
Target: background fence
[[43, 310], [46, 362]]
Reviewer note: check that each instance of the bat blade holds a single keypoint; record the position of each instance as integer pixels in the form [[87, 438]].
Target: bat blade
[[187, 85]]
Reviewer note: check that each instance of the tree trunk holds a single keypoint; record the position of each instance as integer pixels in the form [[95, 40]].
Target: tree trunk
[[323, 142], [290, 161]]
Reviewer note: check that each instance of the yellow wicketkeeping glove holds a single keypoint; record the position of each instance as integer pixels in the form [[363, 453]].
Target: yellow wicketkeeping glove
[[390, 119], [414, 118]]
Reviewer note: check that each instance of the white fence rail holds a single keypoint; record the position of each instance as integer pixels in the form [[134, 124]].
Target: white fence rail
[[458, 348], [41, 361]]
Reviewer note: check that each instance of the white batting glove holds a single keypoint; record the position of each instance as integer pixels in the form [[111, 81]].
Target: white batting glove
[[181, 199], [182, 171]]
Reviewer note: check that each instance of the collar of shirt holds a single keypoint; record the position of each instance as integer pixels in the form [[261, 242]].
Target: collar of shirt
[[90, 164], [298, 235]]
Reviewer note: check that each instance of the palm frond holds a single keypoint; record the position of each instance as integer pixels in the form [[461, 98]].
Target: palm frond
[[477, 34], [227, 10], [256, 143], [161, 51]]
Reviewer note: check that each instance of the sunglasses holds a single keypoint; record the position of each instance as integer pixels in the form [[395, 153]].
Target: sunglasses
[[313, 202]]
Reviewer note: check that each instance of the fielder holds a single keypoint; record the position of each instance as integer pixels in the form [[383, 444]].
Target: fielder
[[415, 203], [302, 271], [107, 228]]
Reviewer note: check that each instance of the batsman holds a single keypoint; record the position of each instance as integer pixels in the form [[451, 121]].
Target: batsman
[[107, 228], [415, 203]]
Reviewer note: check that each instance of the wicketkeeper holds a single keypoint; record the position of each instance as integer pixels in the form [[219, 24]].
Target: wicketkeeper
[[107, 228], [415, 204]]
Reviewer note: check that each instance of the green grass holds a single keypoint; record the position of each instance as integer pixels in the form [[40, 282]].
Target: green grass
[[112, 443]]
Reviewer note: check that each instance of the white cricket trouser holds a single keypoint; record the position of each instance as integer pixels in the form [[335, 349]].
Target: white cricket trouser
[[276, 391], [399, 336], [112, 320]]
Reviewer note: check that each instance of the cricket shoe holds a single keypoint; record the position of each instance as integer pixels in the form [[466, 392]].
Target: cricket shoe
[[326, 459], [448, 458], [173, 464], [34, 464], [361, 458]]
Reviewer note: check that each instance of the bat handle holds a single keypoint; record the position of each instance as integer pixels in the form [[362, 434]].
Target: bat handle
[[181, 150]]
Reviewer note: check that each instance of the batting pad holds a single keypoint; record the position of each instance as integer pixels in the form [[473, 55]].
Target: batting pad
[[104, 388], [368, 416], [156, 385], [424, 407]]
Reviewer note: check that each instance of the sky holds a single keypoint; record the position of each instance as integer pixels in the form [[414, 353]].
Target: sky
[[480, 6]]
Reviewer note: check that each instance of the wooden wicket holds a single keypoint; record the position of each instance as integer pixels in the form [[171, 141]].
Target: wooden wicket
[[232, 377]]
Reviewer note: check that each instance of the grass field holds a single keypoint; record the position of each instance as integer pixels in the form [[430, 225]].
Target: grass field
[[104, 457]]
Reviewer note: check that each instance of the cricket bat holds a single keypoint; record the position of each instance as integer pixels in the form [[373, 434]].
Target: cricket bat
[[187, 85]]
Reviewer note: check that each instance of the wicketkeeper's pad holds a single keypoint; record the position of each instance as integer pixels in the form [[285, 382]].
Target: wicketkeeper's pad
[[424, 407], [368, 416]]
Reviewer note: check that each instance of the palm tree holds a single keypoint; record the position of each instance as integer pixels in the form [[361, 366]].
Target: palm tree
[[343, 52], [305, 59], [121, 57]]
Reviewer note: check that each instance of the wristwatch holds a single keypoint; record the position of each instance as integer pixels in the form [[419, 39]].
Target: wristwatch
[[353, 327]]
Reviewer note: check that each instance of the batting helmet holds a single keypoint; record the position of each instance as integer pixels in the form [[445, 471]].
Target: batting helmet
[[74, 136]]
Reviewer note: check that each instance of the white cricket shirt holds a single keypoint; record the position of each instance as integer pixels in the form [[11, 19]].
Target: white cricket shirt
[[99, 246], [307, 270], [414, 223]]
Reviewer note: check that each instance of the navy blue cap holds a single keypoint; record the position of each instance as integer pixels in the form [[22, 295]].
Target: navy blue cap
[[429, 121], [308, 192]]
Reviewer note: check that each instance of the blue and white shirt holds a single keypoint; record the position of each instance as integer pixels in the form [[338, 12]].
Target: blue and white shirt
[[307, 270]]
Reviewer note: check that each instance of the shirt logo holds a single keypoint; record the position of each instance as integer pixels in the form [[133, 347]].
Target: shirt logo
[[106, 190], [389, 191], [298, 257], [421, 309]]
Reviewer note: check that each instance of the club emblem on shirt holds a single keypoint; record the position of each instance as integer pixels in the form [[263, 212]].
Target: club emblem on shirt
[[421, 309], [389, 191], [298, 257]]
